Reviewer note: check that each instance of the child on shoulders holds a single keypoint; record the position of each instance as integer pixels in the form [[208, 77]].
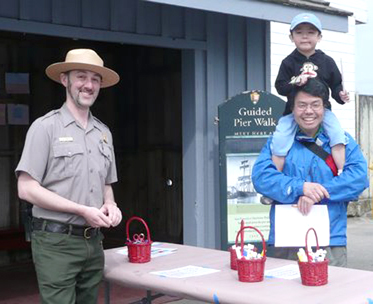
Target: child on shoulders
[[303, 63]]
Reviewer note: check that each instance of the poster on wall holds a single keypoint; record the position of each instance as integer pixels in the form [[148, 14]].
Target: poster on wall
[[243, 202], [18, 114], [17, 83], [246, 121]]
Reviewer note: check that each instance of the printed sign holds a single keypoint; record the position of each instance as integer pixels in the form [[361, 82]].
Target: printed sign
[[245, 123]]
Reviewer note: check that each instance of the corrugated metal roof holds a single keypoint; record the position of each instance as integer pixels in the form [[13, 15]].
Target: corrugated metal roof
[[317, 5]]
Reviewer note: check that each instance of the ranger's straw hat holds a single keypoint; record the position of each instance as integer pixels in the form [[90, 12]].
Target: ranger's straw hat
[[83, 59]]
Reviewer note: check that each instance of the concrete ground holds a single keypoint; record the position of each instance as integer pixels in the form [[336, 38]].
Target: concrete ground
[[360, 242]]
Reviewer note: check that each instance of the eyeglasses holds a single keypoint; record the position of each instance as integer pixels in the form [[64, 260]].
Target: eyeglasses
[[313, 106]]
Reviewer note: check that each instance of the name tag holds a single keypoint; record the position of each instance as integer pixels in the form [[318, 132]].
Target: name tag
[[66, 139]]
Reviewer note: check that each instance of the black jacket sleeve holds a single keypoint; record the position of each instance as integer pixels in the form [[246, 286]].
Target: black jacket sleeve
[[284, 76], [334, 80]]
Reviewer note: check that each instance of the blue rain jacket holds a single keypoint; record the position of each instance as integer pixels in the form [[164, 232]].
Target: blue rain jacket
[[302, 165]]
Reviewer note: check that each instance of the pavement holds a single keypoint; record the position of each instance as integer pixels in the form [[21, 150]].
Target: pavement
[[360, 242]]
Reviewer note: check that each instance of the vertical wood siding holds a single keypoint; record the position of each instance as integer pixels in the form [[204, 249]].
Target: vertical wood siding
[[235, 46], [126, 16], [222, 56], [365, 135]]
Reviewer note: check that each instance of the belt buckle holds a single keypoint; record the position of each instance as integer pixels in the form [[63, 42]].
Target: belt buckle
[[86, 233]]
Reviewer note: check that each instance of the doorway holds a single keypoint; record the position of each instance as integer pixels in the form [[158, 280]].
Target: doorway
[[143, 112]]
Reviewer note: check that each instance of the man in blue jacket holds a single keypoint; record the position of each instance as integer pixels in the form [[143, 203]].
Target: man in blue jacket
[[307, 179]]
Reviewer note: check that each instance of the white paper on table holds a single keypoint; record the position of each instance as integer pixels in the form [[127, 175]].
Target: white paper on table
[[291, 226], [154, 251], [185, 272], [288, 272]]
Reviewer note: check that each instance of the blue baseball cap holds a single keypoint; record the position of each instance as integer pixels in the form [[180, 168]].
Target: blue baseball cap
[[306, 18]]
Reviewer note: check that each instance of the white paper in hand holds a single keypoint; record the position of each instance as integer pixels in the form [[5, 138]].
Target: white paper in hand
[[291, 226]]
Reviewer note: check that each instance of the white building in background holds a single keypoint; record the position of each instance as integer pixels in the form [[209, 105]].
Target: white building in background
[[340, 46], [363, 49]]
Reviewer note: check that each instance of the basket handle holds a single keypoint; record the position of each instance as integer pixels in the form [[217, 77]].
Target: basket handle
[[258, 231], [138, 219], [317, 243], [242, 233]]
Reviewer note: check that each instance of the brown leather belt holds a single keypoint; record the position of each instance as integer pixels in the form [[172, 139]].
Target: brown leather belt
[[39, 224]]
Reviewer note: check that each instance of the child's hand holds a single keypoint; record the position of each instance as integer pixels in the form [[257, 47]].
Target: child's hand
[[345, 96], [299, 80], [302, 80]]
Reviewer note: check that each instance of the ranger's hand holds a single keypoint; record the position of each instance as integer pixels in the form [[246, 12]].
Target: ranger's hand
[[96, 218], [113, 212]]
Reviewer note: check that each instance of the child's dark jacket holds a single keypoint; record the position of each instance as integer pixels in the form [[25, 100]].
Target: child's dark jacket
[[327, 71]]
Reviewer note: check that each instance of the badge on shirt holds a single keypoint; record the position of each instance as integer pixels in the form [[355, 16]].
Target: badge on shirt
[[66, 139], [104, 138]]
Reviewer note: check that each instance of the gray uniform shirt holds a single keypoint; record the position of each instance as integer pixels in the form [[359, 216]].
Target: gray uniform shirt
[[74, 162]]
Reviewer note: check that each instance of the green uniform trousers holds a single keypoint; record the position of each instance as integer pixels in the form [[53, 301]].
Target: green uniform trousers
[[69, 268]]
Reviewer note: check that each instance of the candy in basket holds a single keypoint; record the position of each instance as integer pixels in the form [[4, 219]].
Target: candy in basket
[[250, 264], [139, 247], [313, 266]]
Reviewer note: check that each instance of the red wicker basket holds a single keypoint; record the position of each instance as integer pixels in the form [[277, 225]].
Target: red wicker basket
[[233, 257], [313, 273], [232, 251], [139, 248], [251, 270]]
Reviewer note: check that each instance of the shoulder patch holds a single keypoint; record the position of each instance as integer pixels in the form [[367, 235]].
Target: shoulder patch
[[50, 114], [100, 123]]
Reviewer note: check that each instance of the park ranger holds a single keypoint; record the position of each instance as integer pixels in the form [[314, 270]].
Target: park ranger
[[66, 171]]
